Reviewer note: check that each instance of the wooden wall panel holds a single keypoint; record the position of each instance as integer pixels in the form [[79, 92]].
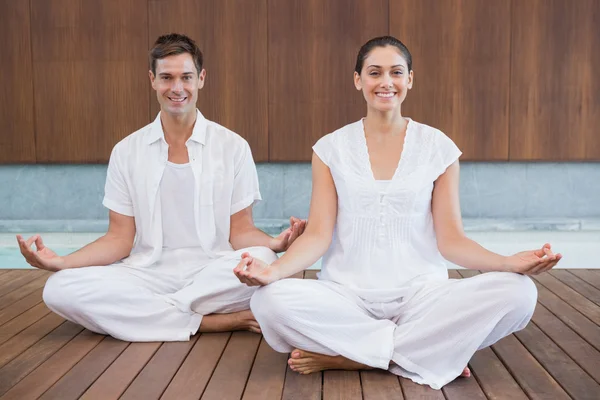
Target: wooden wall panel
[[232, 35], [312, 52], [461, 62], [17, 140], [555, 88], [90, 74]]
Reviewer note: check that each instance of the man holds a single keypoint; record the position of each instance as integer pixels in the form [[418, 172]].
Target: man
[[180, 193]]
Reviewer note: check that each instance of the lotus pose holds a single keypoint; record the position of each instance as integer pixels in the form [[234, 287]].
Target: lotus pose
[[384, 215]]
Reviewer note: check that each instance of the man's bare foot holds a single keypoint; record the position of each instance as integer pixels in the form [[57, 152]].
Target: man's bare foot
[[305, 362], [237, 321], [466, 373]]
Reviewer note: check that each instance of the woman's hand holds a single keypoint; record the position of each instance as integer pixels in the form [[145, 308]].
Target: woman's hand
[[532, 262], [255, 272]]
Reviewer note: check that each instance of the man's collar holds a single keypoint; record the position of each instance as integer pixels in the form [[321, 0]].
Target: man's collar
[[198, 132]]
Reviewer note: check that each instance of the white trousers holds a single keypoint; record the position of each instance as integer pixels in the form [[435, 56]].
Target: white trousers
[[163, 302], [428, 338]]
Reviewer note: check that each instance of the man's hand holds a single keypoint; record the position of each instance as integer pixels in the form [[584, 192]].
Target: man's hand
[[254, 272], [287, 237], [42, 257], [532, 262]]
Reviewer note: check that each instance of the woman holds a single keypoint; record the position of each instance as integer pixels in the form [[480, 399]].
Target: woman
[[385, 213]]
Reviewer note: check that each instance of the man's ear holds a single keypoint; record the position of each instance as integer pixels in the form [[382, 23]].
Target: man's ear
[[201, 78]]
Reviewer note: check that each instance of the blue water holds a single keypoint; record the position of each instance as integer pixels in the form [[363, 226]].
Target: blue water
[[10, 257]]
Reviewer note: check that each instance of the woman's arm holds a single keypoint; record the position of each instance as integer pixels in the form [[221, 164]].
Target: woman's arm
[[459, 249], [309, 247]]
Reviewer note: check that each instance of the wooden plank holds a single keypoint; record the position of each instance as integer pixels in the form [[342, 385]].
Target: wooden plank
[[21, 278], [230, 33], [468, 273], [191, 379], [24, 291], [36, 383], [414, 391], [314, 35], [20, 306], [267, 375], [467, 100], [310, 274], [493, 377], [583, 305], [75, 382], [16, 345], [232, 371], [341, 385], [584, 354], [297, 275], [37, 354], [570, 316], [72, 41], [113, 382], [17, 140], [23, 321], [567, 373], [302, 387], [380, 385], [543, 106], [532, 377], [591, 276], [453, 274], [156, 375], [463, 388], [577, 284]]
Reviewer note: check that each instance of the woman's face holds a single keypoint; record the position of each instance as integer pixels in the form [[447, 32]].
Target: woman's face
[[384, 79]]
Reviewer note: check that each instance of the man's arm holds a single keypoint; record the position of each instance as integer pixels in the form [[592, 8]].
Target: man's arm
[[244, 234], [113, 246]]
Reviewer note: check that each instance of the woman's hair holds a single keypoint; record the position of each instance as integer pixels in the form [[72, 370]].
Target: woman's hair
[[381, 41], [174, 44]]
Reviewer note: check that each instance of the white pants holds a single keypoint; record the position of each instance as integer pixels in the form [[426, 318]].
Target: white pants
[[163, 302], [428, 338]]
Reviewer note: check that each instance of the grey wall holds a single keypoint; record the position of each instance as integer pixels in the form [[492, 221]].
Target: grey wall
[[488, 190]]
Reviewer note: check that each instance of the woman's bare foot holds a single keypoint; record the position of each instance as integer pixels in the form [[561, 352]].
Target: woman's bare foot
[[466, 373], [305, 362]]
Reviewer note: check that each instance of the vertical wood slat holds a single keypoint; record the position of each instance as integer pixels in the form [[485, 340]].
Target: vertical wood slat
[[232, 35], [157, 374], [43, 377], [190, 381], [267, 376], [555, 107], [17, 128], [312, 52], [42, 346], [90, 76], [461, 61]]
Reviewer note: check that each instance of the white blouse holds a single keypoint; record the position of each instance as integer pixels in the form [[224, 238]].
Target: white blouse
[[384, 243]]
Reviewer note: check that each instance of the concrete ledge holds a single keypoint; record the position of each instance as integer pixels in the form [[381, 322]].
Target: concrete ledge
[[274, 226]]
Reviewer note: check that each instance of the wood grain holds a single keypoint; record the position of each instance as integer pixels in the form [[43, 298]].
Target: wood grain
[[90, 76], [312, 52], [461, 53], [555, 106], [17, 137]]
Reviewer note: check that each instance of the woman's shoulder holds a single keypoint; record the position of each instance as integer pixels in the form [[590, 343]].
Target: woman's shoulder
[[341, 134]]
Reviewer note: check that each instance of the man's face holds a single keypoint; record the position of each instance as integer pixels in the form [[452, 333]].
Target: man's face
[[177, 83]]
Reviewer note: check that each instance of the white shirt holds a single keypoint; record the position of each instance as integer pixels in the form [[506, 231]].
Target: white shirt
[[225, 182], [177, 207], [384, 243]]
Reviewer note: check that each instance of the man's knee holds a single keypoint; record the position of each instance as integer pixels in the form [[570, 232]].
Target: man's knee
[[57, 294]]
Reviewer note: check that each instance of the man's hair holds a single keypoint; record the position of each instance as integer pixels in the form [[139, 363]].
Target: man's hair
[[174, 44]]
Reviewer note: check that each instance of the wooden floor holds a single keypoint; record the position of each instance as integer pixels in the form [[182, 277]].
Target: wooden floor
[[43, 356]]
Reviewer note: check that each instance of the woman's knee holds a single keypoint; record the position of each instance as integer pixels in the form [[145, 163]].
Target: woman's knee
[[271, 301], [519, 290]]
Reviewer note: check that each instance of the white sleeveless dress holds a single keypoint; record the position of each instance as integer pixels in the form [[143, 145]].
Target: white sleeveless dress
[[383, 297]]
